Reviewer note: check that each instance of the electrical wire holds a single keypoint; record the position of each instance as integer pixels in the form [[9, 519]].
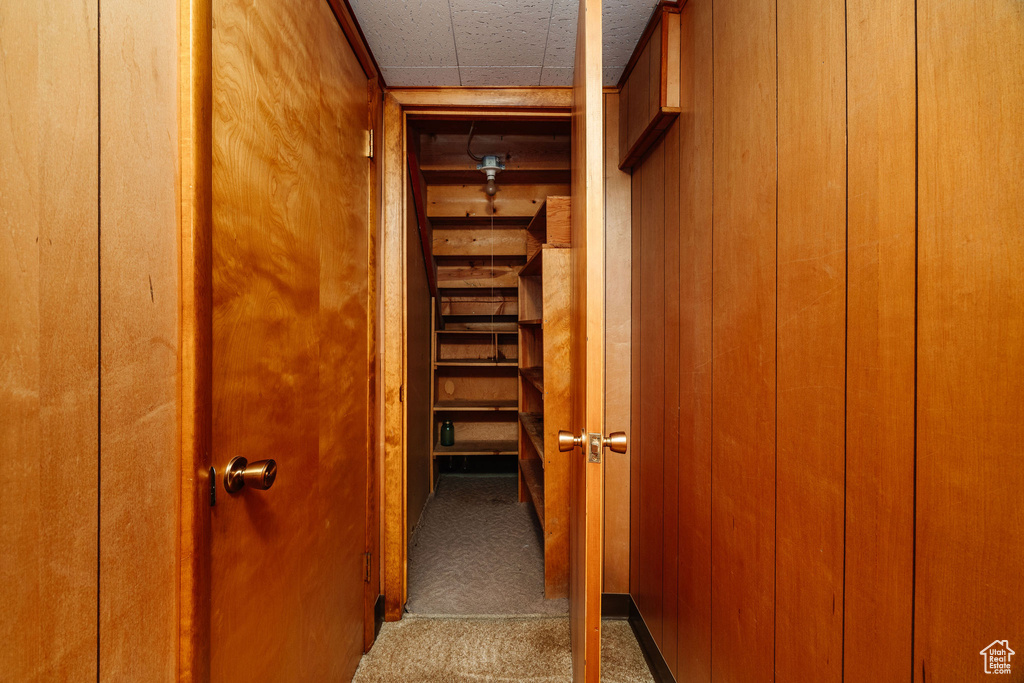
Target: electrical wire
[[469, 141]]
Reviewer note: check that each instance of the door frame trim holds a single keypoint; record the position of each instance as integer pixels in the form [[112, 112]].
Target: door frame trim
[[195, 332], [400, 105]]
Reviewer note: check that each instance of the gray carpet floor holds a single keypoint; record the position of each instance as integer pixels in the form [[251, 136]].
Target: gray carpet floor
[[499, 650], [477, 551]]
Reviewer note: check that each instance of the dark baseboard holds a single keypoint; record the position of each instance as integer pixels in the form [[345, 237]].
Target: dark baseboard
[[378, 615], [655, 660], [615, 605]]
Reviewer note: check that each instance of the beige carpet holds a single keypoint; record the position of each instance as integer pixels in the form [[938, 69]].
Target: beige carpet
[[502, 650], [477, 551]]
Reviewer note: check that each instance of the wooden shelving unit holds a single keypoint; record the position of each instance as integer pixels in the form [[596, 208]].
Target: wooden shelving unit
[[474, 366], [544, 377]]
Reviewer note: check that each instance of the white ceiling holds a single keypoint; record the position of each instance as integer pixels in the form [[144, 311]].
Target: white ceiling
[[492, 42]]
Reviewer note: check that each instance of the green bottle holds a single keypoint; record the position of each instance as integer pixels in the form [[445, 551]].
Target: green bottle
[[447, 433]]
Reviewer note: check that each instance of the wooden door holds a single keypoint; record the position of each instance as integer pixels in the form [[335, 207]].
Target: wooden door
[[587, 320], [290, 356]]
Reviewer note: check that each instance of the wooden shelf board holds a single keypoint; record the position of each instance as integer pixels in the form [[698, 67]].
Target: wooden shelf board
[[497, 318], [534, 376], [531, 323], [477, 448], [481, 328], [483, 405], [540, 218], [533, 477], [477, 363], [506, 331], [533, 266], [533, 425]]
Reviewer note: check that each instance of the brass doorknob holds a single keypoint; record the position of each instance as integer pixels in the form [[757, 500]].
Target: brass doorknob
[[617, 441], [567, 442], [258, 475]]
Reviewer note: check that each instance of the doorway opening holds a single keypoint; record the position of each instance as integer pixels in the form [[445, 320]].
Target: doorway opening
[[486, 367]]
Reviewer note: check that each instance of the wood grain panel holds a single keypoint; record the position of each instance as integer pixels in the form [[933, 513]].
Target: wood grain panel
[[266, 211], [534, 99], [139, 342], [970, 404], [418, 333], [811, 344], [343, 349], [557, 341], [617, 353], [470, 201], [48, 342], [587, 352], [695, 359], [743, 467], [636, 385], [880, 341], [638, 102], [652, 399], [291, 190]]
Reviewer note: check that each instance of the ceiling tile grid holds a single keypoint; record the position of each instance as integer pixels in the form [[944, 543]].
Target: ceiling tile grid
[[492, 42]]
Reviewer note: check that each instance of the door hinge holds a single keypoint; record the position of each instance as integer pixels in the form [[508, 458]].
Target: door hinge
[[401, 393], [369, 143], [366, 578]]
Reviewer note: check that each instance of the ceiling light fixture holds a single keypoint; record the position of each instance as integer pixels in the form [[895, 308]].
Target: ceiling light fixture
[[490, 164]]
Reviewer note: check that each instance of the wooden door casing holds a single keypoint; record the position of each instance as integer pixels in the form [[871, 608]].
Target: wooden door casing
[[586, 346], [290, 343]]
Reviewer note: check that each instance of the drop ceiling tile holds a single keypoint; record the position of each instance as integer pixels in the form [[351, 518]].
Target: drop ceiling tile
[[500, 32], [420, 76], [561, 46], [611, 75], [408, 32], [500, 75], [556, 75], [622, 26]]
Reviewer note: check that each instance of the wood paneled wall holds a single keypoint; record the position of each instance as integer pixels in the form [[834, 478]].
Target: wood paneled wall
[[49, 372], [969, 568], [139, 341], [417, 369], [88, 158], [617, 335], [828, 367]]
